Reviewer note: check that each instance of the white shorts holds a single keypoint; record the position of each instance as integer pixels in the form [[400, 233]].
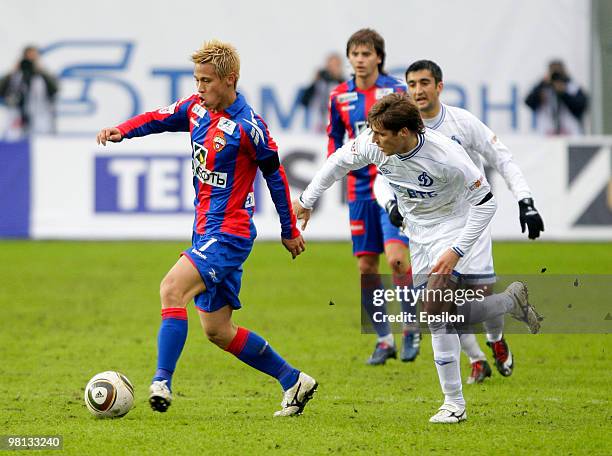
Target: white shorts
[[474, 268]]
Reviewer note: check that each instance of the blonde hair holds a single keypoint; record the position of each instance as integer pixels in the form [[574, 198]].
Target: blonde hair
[[223, 56]]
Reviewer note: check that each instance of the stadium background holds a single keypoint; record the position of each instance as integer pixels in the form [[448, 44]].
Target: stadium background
[[73, 309], [131, 61]]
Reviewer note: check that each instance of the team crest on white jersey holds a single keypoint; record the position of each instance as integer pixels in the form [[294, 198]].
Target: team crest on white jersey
[[476, 184], [226, 125], [381, 92], [425, 179], [198, 110], [347, 97]]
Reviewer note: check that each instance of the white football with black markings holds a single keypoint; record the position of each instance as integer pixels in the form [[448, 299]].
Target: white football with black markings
[[109, 395]]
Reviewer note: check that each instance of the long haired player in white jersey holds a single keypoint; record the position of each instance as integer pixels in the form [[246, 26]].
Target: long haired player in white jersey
[[447, 205], [425, 84]]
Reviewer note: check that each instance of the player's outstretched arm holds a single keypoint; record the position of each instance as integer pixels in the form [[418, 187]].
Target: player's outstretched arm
[[112, 134]]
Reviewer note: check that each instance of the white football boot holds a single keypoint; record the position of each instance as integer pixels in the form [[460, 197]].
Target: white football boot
[[296, 397], [449, 414], [161, 396], [522, 310]]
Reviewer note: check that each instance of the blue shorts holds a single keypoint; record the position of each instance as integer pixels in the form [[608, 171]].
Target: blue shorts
[[218, 258], [371, 228]]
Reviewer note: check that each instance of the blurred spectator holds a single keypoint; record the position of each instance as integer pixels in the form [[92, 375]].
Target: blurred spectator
[[316, 95], [558, 102], [29, 93]]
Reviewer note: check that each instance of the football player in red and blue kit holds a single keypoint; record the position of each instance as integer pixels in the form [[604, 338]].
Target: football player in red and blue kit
[[371, 230], [229, 142]]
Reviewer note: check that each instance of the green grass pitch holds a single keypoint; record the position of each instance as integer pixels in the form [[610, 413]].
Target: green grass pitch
[[72, 309]]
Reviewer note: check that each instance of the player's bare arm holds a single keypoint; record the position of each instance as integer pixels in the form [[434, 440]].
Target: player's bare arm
[[112, 134]]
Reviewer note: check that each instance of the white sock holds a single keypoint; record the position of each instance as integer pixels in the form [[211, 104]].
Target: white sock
[[494, 328], [447, 350], [388, 339], [470, 346]]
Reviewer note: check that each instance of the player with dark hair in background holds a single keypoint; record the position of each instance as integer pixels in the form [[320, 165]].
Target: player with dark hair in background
[[229, 143], [371, 231]]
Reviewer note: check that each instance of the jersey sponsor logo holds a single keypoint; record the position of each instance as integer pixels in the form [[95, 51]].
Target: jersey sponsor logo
[[226, 125], [168, 109], [425, 179], [250, 200], [219, 141], [347, 97], [476, 184], [381, 92], [198, 166], [347, 108], [411, 193], [198, 110], [357, 227]]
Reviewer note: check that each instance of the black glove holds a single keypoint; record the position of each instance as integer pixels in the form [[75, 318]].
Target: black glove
[[394, 214], [530, 216]]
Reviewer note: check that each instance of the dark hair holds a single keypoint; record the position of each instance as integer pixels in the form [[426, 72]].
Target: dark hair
[[433, 68], [368, 37], [396, 111]]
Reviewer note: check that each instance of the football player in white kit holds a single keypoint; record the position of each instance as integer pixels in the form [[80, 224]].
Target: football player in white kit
[[447, 204], [425, 83]]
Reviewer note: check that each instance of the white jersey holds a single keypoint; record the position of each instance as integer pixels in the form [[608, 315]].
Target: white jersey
[[480, 143], [435, 182]]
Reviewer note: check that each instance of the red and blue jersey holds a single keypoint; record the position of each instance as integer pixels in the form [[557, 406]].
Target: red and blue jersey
[[348, 115], [227, 148]]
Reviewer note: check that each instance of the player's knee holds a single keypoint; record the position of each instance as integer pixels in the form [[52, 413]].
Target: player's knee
[[368, 265], [169, 293], [218, 336], [398, 264]]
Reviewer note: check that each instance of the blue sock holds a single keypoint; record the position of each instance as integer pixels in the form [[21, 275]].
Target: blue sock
[[369, 284], [253, 350], [170, 342]]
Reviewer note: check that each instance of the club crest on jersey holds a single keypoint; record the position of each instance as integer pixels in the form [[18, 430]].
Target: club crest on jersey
[[347, 97], [476, 184], [425, 179], [219, 141], [226, 125], [198, 110], [381, 92]]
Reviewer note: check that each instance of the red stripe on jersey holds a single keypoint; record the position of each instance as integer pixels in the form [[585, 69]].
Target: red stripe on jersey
[[372, 171], [204, 190], [370, 99], [351, 181], [141, 119], [236, 219], [238, 342]]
